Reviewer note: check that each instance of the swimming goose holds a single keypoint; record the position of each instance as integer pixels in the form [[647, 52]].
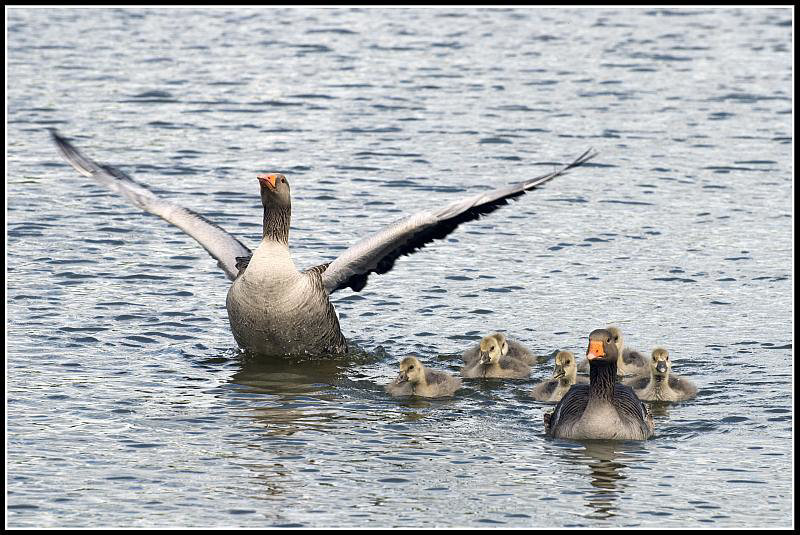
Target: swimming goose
[[416, 380], [273, 308], [492, 363], [564, 376], [603, 409], [660, 384], [509, 348], [629, 362]]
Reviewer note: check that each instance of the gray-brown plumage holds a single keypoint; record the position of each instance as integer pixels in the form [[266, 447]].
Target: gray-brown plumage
[[660, 384], [510, 348], [564, 376], [273, 307], [516, 350], [416, 380], [492, 363], [603, 409]]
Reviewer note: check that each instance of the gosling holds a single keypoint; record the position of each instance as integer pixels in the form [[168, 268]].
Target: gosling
[[509, 348], [415, 380], [492, 363], [660, 385], [564, 376]]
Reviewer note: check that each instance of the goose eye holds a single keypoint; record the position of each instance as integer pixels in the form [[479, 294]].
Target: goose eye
[[491, 348], [283, 180]]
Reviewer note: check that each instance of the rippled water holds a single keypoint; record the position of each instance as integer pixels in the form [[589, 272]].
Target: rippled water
[[128, 403]]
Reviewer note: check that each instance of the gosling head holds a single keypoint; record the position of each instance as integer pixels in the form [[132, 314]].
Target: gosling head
[[601, 347], [565, 368], [411, 370], [660, 364], [491, 349], [616, 335], [501, 339]]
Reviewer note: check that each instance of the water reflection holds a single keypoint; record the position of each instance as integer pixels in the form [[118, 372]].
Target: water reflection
[[607, 476], [286, 395], [282, 376], [606, 462]]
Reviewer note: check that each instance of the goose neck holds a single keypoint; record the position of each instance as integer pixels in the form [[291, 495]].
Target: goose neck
[[277, 220], [602, 376]]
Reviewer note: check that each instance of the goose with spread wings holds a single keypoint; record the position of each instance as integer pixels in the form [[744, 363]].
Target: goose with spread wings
[[273, 308]]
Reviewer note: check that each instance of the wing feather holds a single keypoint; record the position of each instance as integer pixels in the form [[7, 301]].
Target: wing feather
[[221, 245], [377, 253]]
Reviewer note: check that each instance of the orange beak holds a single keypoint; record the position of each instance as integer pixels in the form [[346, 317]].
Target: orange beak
[[595, 350], [269, 180]]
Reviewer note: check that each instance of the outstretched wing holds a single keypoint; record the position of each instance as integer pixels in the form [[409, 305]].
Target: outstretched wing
[[221, 245], [377, 253]]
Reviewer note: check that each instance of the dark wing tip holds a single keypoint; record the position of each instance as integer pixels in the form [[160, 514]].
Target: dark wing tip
[[60, 141]]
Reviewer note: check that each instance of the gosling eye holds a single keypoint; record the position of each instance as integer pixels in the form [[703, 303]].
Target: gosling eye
[[283, 180], [666, 357], [491, 348], [411, 367]]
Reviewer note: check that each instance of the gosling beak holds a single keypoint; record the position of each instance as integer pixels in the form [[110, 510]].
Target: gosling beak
[[595, 350], [402, 377], [270, 181], [485, 358], [559, 372], [661, 367]]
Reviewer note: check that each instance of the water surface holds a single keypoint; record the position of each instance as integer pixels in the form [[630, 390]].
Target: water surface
[[128, 403]]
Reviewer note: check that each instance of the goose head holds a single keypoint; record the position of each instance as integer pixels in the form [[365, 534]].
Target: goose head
[[602, 347], [565, 368], [411, 371], [491, 349], [660, 364], [274, 190], [277, 202]]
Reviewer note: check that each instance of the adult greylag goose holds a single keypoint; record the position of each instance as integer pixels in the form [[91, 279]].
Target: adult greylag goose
[[661, 384], [416, 380], [510, 348], [629, 361], [565, 374], [603, 409], [273, 307]]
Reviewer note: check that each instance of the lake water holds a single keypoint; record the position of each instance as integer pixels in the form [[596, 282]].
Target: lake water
[[128, 402]]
